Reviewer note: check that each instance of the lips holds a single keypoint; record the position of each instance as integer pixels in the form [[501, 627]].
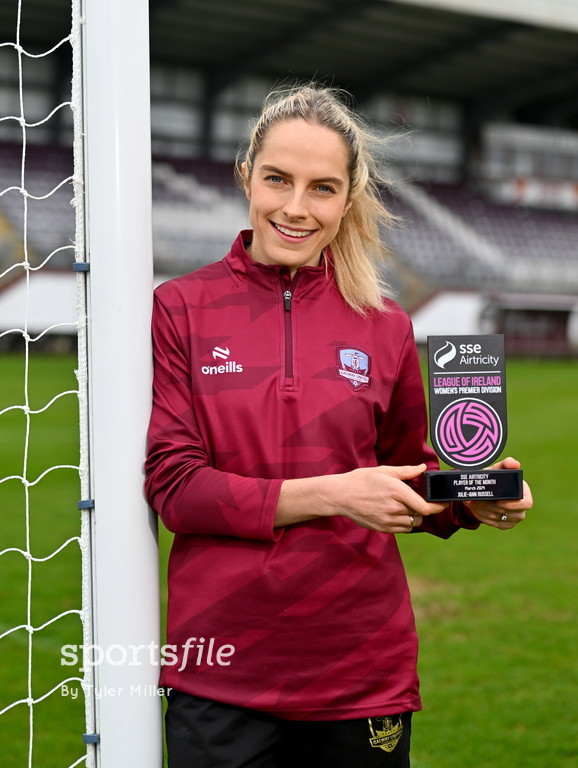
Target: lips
[[295, 234]]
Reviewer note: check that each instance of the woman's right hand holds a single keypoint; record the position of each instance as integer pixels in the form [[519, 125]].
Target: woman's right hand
[[373, 497], [379, 498]]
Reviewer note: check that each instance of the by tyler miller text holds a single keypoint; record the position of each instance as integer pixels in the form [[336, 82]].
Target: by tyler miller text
[[111, 691]]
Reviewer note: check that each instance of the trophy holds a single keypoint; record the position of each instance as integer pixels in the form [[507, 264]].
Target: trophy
[[468, 425]]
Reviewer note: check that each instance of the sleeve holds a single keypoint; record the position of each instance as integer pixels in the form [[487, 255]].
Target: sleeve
[[402, 439], [188, 494]]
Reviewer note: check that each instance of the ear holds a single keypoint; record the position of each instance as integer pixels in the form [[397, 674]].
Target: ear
[[246, 184], [347, 207]]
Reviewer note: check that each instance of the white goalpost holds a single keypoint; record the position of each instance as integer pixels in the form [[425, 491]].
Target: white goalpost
[[114, 613], [117, 161]]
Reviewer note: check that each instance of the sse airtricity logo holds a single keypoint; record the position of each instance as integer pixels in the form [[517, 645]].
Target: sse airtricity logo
[[445, 354], [229, 366]]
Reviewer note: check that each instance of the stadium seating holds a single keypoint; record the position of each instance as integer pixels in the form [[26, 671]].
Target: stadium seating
[[447, 235], [49, 221], [521, 232], [534, 250], [196, 213]]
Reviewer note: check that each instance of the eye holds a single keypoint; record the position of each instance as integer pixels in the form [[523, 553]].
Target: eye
[[274, 179], [325, 189]]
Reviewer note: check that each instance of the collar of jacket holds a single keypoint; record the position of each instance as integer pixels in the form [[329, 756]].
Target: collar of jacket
[[244, 268]]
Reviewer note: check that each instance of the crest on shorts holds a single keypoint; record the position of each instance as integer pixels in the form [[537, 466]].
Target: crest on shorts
[[354, 365], [384, 732]]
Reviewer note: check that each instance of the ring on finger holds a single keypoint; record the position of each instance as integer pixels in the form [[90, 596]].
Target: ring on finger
[[412, 521], [504, 517]]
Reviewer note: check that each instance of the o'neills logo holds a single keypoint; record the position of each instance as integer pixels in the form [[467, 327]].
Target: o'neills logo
[[229, 366]]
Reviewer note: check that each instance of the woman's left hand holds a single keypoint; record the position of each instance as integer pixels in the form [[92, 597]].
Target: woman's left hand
[[503, 514]]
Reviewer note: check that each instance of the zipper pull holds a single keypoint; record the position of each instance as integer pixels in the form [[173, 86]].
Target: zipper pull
[[287, 299]]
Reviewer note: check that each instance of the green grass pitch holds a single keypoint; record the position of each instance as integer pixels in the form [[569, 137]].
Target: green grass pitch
[[496, 610]]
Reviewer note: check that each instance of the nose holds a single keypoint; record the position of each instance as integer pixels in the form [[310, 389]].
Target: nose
[[295, 206]]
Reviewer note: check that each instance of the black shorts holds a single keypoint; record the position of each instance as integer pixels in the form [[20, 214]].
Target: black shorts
[[206, 734]]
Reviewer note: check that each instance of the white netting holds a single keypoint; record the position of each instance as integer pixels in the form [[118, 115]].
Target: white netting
[[45, 707]]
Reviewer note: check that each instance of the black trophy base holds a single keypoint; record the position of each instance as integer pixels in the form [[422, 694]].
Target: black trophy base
[[473, 484]]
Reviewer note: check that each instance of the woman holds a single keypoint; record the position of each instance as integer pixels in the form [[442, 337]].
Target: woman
[[287, 436]]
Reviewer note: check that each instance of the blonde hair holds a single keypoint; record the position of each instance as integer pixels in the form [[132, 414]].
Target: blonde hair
[[358, 247]]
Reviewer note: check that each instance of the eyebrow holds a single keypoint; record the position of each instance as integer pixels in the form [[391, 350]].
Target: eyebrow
[[325, 180]]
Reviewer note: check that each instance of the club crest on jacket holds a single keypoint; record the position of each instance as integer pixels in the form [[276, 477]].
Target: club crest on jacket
[[354, 365]]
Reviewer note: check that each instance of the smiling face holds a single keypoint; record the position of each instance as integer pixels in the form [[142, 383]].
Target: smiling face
[[298, 193]]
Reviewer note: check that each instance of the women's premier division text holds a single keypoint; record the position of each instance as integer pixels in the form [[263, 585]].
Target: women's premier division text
[[466, 385]]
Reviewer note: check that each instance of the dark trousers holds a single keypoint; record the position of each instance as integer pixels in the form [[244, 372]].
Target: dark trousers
[[206, 734]]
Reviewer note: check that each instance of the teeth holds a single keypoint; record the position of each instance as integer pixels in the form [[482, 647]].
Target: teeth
[[291, 232]]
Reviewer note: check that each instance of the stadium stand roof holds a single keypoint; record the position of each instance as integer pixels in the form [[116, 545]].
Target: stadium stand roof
[[490, 64]]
